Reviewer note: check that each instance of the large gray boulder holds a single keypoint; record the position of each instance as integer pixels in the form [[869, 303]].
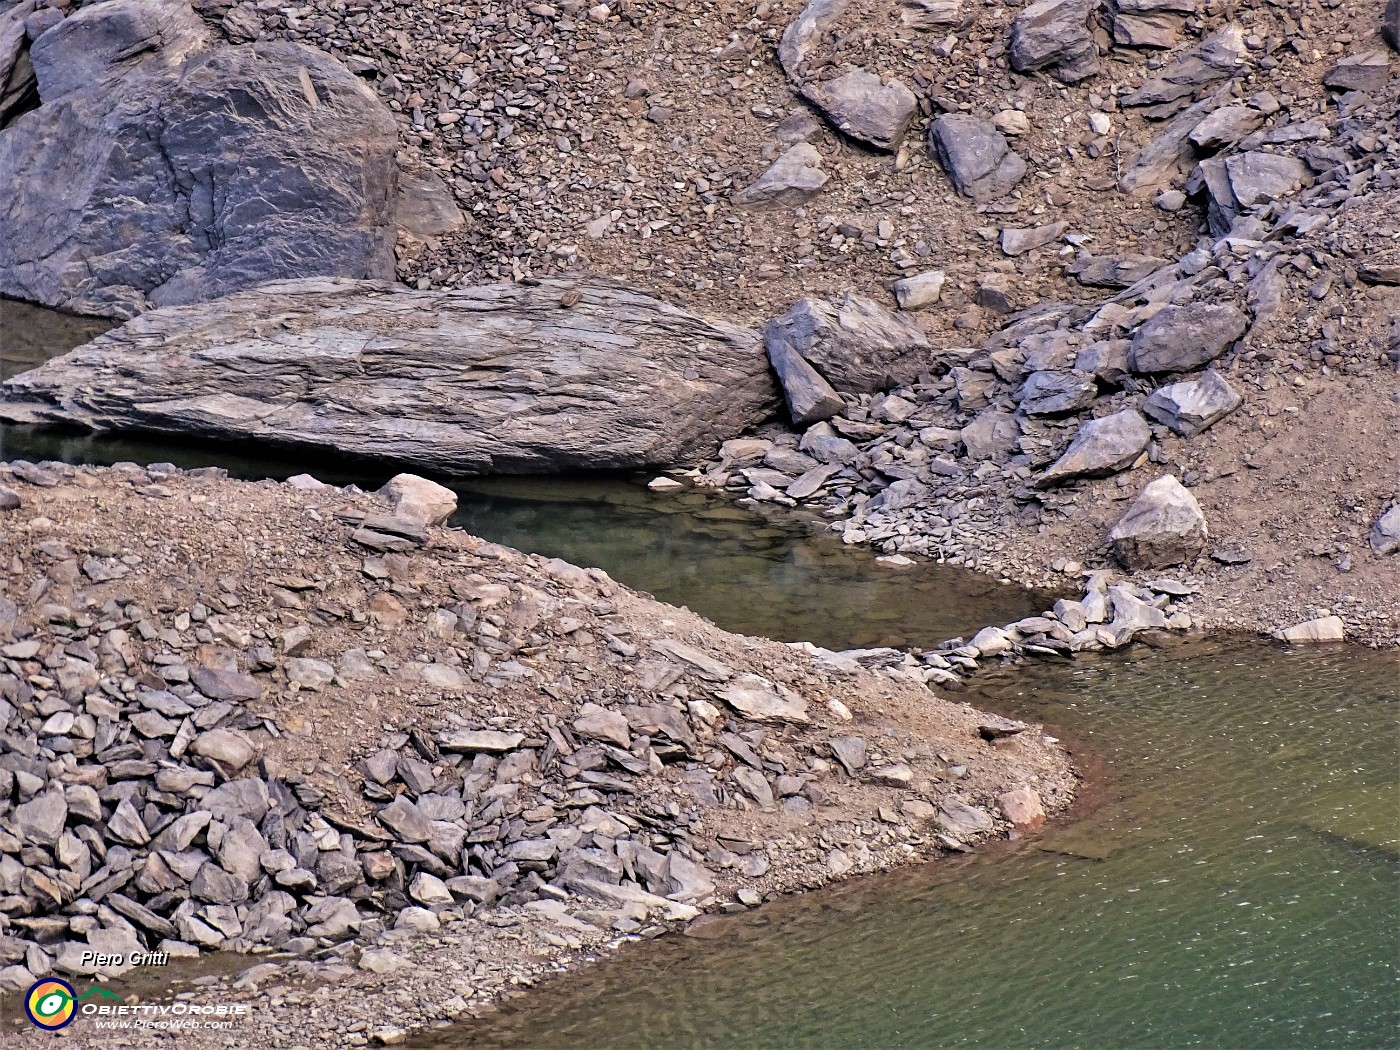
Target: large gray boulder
[[1194, 405], [157, 173], [855, 343], [976, 156], [1101, 446], [1183, 338], [507, 378], [1390, 24], [1163, 526], [1054, 35], [867, 109]]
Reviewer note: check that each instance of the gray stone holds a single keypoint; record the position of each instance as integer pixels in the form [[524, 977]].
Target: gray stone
[[219, 684], [850, 751], [962, 820], [418, 499], [1365, 72], [1108, 360], [760, 700], [1149, 23], [976, 156], [1101, 446], [226, 747], [40, 820], [754, 784], [1193, 405], [429, 890], [992, 435], [930, 14], [1323, 629], [1183, 338], [138, 183], [308, 673], [919, 291], [1218, 56], [500, 378], [867, 109], [217, 886], [1390, 24], [794, 178], [1385, 533], [1258, 178], [598, 723], [1018, 241], [803, 33], [479, 741], [856, 344], [1169, 152], [1054, 35], [1057, 392], [403, 819], [1163, 526], [810, 398], [1225, 127], [1113, 271], [426, 208]]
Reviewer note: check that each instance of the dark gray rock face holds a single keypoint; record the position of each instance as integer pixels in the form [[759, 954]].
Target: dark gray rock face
[[810, 398], [1390, 24], [156, 174], [1183, 338], [1385, 533], [975, 156], [1054, 35], [1054, 392], [500, 378], [855, 343]]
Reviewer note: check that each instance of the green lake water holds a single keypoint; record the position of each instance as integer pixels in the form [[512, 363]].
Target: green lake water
[[1231, 879]]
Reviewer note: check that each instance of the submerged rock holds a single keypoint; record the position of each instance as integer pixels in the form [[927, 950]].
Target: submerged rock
[[1323, 629], [495, 378]]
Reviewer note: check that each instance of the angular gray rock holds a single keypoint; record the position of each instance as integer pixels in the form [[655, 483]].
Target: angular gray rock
[[919, 291], [1218, 56], [155, 173], [991, 436], [1054, 35], [1366, 72], [1150, 23], [1101, 446], [40, 820], [976, 156], [1018, 241], [1193, 405], [1051, 393], [810, 398], [1390, 24], [792, 179], [861, 105], [425, 207], [759, 699], [855, 343], [419, 500], [805, 31], [1225, 127], [1113, 271], [1164, 526], [1183, 338], [1385, 533], [1170, 151], [497, 378]]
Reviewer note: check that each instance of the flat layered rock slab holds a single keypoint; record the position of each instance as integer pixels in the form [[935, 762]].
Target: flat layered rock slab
[[501, 378]]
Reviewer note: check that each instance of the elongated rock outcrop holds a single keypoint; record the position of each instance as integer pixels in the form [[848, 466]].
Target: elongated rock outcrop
[[507, 378]]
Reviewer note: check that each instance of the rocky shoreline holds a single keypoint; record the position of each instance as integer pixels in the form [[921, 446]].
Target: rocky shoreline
[[393, 760]]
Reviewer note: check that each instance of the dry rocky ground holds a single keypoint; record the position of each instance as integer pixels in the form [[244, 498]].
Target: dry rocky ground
[[413, 766]]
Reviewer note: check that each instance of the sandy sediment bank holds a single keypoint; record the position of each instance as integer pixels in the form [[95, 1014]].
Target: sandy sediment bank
[[408, 770]]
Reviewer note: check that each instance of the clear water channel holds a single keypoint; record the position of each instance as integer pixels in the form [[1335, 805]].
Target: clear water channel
[[1230, 879]]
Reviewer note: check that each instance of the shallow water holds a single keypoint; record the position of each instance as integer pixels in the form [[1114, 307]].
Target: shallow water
[[1236, 887]]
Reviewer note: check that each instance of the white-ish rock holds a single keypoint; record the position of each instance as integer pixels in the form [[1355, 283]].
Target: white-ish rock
[[1323, 629], [1163, 526], [419, 500]]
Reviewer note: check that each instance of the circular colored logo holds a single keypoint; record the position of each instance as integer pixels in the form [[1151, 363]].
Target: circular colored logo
[[50, 1004]]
